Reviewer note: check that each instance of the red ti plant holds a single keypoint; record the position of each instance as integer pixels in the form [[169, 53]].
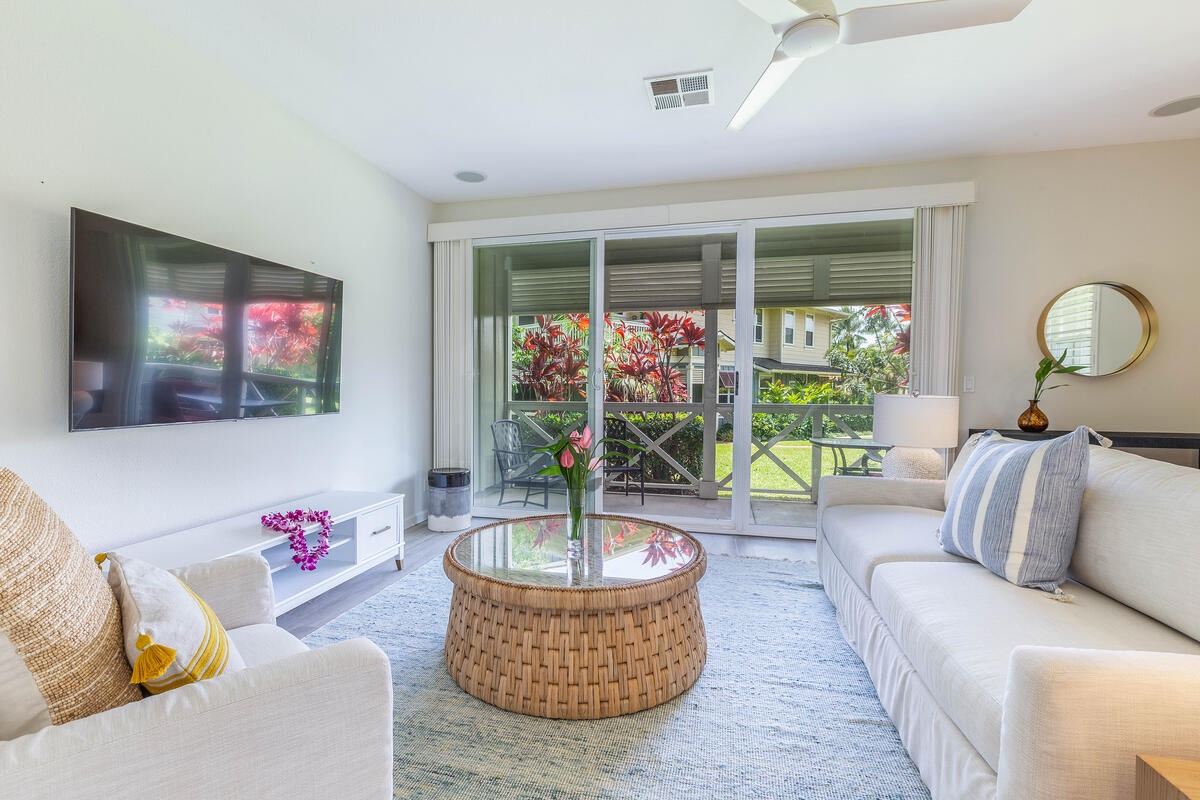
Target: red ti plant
[[639, 363], [638, 355], [557, 369], [664, 546], [669, 332], [281, 335]]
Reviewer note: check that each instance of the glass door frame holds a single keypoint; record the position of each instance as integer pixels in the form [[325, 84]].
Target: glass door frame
[[595, 246], [723, 525], [745, 229]]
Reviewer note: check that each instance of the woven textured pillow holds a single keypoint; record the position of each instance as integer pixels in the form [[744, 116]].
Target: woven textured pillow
[[172, 637], [61, 657], [1015, 508]]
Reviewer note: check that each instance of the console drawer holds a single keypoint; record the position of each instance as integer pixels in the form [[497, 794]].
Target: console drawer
[[378, 530]]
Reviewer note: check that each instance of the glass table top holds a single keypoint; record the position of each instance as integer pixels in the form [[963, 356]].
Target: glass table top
[[616, 551]]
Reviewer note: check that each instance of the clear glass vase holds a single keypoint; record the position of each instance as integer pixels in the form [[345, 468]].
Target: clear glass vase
[[575, 567], [575, 502]]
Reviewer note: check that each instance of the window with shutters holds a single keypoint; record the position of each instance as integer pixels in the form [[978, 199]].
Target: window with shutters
[[1072, 326]]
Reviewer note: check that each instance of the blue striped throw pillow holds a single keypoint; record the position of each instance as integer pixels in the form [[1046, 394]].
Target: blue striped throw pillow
[[1015, 508]]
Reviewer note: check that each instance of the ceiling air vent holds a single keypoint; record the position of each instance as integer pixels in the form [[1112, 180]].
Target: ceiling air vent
[[680, 91]]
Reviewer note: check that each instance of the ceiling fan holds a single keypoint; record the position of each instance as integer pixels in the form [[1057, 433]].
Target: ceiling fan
[[807, 28]]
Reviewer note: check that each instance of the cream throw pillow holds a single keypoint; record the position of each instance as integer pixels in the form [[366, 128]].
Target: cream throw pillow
[[60, 626], [172, 637]]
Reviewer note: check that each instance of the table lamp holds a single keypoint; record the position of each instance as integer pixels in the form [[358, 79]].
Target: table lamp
[[913, 425]]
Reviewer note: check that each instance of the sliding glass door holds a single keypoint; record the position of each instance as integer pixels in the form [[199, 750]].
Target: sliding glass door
[[533, 345], [831, 305], [670, 377], [739, 362]]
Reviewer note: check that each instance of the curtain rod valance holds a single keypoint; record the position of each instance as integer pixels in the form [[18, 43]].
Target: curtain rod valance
[[896, 197]]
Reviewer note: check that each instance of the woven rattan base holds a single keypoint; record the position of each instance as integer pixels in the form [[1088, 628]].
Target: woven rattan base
[[575, 654]]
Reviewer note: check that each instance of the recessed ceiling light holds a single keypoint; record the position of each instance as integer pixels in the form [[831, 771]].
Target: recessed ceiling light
[[1180, 106], [469, 176]]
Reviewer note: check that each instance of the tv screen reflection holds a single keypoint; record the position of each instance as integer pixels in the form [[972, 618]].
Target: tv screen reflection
[[167, 330]]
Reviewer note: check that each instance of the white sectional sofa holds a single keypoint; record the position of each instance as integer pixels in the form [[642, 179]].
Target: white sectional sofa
[[296, 723], [1003, 692]]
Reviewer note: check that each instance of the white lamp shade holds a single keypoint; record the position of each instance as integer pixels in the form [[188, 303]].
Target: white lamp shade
[[902, 420]]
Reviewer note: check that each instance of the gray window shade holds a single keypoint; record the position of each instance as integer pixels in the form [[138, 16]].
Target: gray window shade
[[779, 281], [549, 290], [206, 283], [870, 278], [197, 272], [203, 283], [859, 279], [274, 282], [784, 281], [677, 286]]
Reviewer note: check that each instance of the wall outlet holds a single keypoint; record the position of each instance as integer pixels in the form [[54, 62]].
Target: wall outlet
[[968, 384]]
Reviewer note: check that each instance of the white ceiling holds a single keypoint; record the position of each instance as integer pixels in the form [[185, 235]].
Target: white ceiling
[[547, 97]]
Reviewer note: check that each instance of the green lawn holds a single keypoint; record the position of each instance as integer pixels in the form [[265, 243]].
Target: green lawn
[[766, 475]]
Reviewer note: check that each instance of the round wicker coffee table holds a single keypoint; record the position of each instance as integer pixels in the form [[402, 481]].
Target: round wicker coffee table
[[616, 631]]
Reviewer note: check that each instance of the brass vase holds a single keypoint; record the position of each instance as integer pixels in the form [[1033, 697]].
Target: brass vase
[[1033, 420]]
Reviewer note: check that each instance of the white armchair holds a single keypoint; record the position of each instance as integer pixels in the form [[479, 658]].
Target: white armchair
[[296, 723]]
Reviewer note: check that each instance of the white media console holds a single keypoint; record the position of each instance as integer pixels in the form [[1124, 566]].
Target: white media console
[[367, 530]]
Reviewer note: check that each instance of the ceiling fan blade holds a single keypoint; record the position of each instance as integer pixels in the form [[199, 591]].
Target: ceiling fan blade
[[779, 14], [773, 77], [870, 24]]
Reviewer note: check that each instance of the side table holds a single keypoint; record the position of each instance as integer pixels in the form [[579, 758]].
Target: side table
[[1161, 778]]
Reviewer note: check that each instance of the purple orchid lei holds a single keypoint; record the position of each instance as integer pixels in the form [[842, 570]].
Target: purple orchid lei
[[292, 523]]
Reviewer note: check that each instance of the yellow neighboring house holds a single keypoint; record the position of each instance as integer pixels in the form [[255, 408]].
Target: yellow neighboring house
[[789, 346]]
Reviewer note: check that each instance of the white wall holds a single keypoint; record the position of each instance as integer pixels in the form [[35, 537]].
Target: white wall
[[100, 111], [1042, 223]]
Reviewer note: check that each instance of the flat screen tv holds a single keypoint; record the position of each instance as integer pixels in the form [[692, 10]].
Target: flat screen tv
[[167, 330]]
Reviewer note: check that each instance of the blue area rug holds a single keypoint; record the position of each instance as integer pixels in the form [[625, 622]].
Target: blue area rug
[[784, 709]]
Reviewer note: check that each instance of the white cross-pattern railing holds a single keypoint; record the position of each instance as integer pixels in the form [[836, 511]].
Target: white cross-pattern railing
[[634, 416]]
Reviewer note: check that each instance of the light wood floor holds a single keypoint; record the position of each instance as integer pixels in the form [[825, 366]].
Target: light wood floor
[[422, 545]]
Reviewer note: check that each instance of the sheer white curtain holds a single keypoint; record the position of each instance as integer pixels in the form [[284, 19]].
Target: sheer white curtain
[[938, 235], [453, 358]]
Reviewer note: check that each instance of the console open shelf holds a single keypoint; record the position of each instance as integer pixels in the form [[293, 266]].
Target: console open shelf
[[367, 530]]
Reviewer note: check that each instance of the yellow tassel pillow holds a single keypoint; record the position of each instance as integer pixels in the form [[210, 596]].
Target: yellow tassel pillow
[[172, 637]]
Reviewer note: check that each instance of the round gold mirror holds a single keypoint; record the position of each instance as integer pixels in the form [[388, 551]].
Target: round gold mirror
[[1105, 327]]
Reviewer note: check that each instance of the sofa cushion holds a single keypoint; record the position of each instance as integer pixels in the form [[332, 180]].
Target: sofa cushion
[[958, 624], [1016, 508], [1139, 536], [261, 644], [172, 637], [60, 627], [863, 537]]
